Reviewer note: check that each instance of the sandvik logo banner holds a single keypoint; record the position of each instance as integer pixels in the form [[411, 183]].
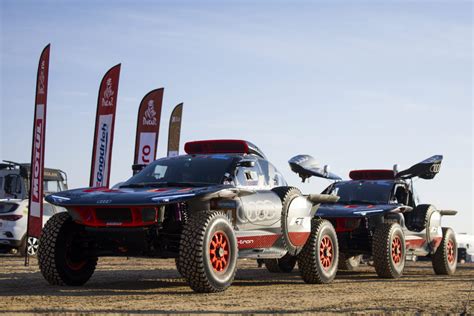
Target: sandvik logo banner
[[104, 129]]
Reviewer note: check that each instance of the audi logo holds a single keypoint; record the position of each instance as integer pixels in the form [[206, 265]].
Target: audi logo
[[435, 168]]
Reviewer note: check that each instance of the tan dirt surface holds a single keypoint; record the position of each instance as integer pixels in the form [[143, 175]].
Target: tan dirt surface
[[153, 286]]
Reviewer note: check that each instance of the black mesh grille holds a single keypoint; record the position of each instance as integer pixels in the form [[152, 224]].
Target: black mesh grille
[[114, 214]]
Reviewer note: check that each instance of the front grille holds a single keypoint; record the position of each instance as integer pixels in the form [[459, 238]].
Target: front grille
[[122, 215]]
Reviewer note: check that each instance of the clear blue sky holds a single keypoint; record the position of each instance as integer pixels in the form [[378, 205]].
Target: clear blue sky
[[355, 84]]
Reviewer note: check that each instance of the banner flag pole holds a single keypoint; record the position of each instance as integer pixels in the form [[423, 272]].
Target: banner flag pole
[[36, 190], [104, 129]]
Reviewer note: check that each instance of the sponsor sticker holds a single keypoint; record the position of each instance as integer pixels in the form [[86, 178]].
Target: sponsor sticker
[[146, 148], [102, 152]]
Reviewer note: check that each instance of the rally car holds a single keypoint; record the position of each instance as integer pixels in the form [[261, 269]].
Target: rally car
[[377, 216], [222, 201]]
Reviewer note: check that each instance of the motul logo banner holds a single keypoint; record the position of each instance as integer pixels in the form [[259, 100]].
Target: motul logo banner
[[35, 211], [148, 127], [104, 129], [175, 130]]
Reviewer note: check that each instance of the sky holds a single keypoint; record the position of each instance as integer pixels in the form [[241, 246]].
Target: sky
[[356, 84]]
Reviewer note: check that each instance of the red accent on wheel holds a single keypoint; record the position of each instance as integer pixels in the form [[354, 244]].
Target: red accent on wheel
[[219, 251], [450, 252], [326, 252], [397, 250]]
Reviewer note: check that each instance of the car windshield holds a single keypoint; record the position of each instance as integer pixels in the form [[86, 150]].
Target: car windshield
[[7, 207], [183, 170], [370, 192]]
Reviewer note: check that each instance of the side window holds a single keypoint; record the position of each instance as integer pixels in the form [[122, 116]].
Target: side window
[[249, 176], [400, 194], [273, 177], [12, 184]]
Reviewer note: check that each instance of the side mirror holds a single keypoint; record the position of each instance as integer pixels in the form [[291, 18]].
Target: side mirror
[[246, 163]]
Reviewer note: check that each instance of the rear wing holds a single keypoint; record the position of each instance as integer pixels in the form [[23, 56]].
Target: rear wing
[[427, 169], [306, 166]]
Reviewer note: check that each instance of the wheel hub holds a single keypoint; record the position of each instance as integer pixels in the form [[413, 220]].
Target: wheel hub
[[219, 251], [450, 252], [326, 252], [396, 250]]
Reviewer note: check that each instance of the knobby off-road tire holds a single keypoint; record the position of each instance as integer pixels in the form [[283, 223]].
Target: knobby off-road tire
[[319, 258], [208, 252], [348, 263], [285, 264], [287, 194], [446, 256], [60, 259], [388, 250]]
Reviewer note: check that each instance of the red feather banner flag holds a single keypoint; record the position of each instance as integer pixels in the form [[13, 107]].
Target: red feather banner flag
[[35, 209], [175, 130], [148, 128], [104, 129]]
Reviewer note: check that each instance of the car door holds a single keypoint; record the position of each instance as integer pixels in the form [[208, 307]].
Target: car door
[[262, 207]]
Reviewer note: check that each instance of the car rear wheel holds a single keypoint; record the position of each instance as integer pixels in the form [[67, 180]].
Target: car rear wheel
[[208, 252], [285, 264], [319, 258], [446, 256], [388, 250], [60, 258]]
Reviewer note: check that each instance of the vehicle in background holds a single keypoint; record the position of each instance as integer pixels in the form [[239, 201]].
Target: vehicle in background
[[13, 225], [377, 215], [14, 180], [465, 247]]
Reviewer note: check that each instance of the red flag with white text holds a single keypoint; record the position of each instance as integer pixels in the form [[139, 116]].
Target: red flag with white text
[[104, 129], [35, 210], [148, 128]]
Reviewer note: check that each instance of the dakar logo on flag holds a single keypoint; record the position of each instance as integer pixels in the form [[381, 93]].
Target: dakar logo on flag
[[150, 114], [108, 98], [41, 79]]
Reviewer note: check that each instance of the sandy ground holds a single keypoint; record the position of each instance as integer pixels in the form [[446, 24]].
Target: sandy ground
[[153, 286]]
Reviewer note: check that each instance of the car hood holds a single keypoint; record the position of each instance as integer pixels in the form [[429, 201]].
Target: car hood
[[354, 210], [134, 196]]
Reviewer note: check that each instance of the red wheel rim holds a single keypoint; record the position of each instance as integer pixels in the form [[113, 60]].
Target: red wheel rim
[[326, 252], [397, 250], [72, 263], [219, 251], [450, 251]]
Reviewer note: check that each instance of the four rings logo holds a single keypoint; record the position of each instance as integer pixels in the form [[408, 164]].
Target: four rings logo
[[435, 168], [104, 201], [103, 141], [258, 211]]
